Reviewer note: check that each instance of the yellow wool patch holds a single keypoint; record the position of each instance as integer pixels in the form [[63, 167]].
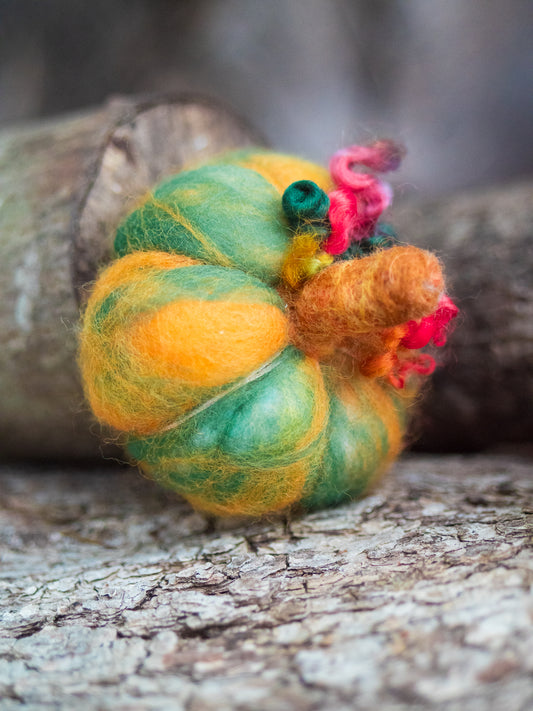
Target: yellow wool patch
[[155, 344], [208, 343], [281, 170], [303, 260], [120, 416]]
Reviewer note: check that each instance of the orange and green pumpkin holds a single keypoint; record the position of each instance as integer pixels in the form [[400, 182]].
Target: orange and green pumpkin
[[232, 387]]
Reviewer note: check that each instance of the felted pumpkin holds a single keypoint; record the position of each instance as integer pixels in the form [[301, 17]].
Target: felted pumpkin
[[257, 337]]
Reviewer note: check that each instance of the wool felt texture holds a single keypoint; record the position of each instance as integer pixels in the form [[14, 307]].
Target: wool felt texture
[[256, 341]]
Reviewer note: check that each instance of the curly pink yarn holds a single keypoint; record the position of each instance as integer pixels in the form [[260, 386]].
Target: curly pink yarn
[[360, 198], [343, 214]]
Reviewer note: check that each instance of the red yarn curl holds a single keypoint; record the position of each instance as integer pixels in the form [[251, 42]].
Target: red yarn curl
[[434, 327]]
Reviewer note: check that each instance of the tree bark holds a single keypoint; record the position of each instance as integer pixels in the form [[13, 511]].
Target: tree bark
[[115, 595], [484, 394], [64, 186]]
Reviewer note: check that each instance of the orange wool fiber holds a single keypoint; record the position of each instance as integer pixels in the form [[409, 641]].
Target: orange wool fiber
[[376, 353], [208, 343], [359, 298]]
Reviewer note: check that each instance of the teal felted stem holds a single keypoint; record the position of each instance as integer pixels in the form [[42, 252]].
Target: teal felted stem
[[306, 206]]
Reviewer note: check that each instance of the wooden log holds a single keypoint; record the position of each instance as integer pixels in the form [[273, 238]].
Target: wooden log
[[64, 186], [114, 595], [484, 394]]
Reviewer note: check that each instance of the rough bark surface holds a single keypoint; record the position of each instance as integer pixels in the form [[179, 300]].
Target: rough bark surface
[[114, 595], [485, 392], [64, 186]]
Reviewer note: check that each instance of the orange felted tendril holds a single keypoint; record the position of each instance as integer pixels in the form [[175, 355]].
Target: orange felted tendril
[[360, 305]]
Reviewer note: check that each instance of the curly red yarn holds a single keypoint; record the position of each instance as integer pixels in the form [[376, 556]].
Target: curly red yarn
[[431, 328]]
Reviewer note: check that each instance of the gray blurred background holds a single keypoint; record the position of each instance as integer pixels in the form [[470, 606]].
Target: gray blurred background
[[451, 79]]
